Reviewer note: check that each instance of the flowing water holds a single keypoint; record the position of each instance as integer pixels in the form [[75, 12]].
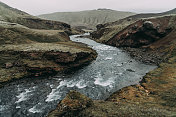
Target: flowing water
[[112, 70]]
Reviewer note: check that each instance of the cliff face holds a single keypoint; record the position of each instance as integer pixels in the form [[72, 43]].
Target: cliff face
[[41, 59], [142, 33], [108, 30]]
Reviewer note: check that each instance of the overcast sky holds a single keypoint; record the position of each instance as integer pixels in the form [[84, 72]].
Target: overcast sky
[[36, 7]]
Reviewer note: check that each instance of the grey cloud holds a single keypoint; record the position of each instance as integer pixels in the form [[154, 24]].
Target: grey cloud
[[37, 7]]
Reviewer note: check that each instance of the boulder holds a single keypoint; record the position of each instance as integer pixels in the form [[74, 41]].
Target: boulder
[[72, 104], [142, 33], [148, 25]]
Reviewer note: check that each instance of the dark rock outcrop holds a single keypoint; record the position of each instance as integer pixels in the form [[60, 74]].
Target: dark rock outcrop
[[142, 33], [42, 59]]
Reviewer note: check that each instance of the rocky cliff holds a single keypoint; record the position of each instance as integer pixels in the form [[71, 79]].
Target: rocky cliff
[[41, 59], [106, 31]]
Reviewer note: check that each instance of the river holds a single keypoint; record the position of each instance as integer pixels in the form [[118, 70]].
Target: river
[[112, 70]]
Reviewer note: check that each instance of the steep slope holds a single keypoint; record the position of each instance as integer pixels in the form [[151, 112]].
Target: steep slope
[[89, 18], [108, 30], [9, 14]]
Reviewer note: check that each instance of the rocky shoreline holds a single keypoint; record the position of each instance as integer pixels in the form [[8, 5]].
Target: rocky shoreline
[[144, 56]]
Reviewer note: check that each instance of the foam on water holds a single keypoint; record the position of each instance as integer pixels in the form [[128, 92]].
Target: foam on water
[[71, 83], [23, 96], [3, 107], [108, 58], [18, 106], [103, 82], [34, 110], [54, 95], [81, 84]]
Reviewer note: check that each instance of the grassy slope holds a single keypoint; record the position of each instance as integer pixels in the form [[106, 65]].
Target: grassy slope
[[9, 14], [88, 18], [11, 33]]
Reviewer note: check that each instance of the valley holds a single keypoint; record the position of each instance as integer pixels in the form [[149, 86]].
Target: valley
[[93, 63]]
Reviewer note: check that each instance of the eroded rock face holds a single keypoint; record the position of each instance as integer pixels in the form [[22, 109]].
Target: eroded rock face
[[42, 59], [71, 105], [142, 33]]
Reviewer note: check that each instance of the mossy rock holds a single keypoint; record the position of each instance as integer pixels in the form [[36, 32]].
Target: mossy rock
[[71, 105]]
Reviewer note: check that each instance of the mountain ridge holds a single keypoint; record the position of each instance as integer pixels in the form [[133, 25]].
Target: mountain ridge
[[87, 18]]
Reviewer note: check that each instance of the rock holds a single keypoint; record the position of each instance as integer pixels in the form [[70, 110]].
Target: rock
[[71, 105], [99, 26], [8, 65], [130, 70], [148, 25], [141, 33], [43, 59]]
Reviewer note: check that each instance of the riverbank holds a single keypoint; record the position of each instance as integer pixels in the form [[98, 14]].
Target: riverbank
[[113, 69], [155, 94], [26, 52]]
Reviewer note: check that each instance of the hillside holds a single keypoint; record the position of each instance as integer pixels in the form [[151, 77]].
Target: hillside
[[106, 31], [32, 47], [147, 15], [89, 18], [9, 14]]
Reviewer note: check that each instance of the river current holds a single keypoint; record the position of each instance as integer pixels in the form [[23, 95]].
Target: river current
[[112, 70]]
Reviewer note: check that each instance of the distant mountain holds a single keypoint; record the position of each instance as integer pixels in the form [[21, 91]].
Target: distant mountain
[[9, 14], [173, 11], [147, 15], [89, 18]]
